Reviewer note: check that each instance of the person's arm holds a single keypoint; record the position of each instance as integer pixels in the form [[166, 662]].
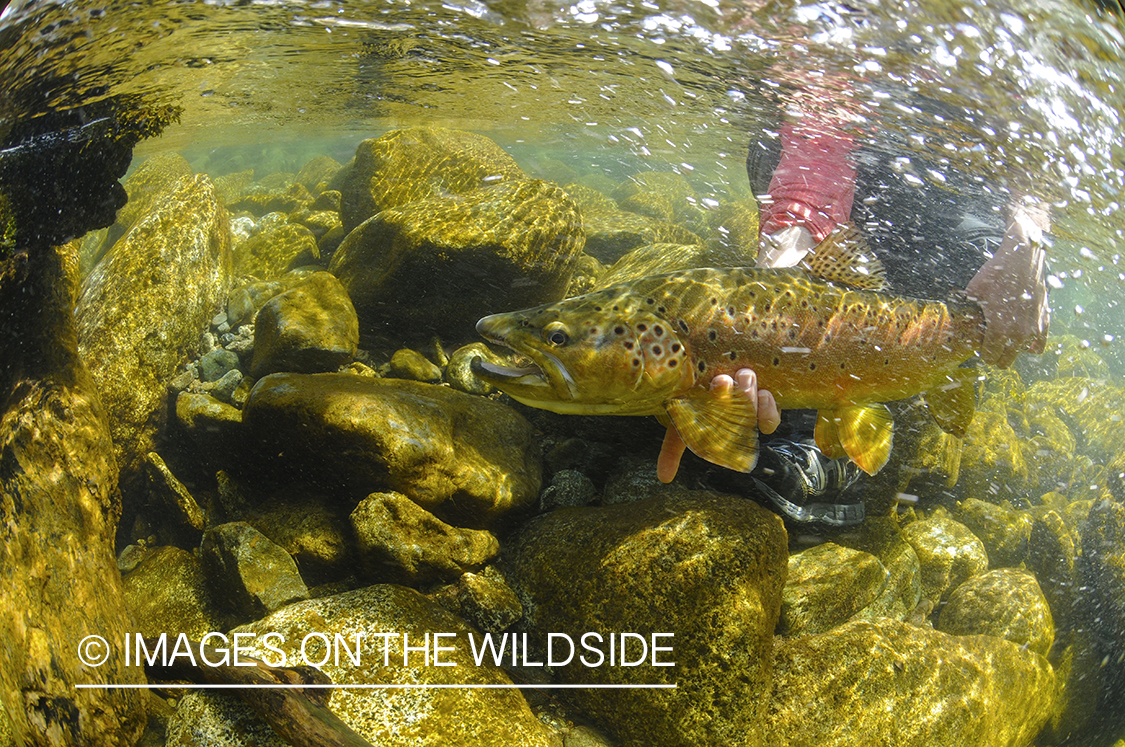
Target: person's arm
[[1011, 291]]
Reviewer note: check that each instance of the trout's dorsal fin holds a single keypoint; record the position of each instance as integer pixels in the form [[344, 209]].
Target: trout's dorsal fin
[[953, 403], [719, 426], [864, 433], [845, 258]]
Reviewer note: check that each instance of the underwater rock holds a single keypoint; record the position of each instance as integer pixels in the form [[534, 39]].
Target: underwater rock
[[217, 363], [168, 592], [484, 599], [412, 365], [402, 717], [256, 576], [418, 163], [213, 427], [887, 682], [883, 538], [734, 232], [321, 223], [1091, 406], [317, 170], [58, 572], [311, 528], [262, 199], [398, 540], [206, 718], [1003, 531], [948, 552], [151, 181], [142, 308], [992, 462], [654, 259], [568, 488], [466, 459], [273, 250], [165, 490], [663, 195], [826, 584], [311, 327], [612, 234], [459, 370], [706, 567], [1006, 603], [1052, 555], [1103, 557], [494, 249]]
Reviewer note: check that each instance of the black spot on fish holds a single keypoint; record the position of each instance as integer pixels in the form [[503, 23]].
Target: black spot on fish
[[636, 362], [628, 344], [617, 308], [683, 326], [776, 361], [730, 311], [593, 330], [657, 351], [597, 308], [712, 335], [660, 310], [766, 308], [792, 334], [812, 366], [714, 302], [804, 304], [642, 328], [658, 330], [675, 347], [843, 365], [732, 355], [702, 366], [671, 364], [650, 301], [619, 330], [886, 361]]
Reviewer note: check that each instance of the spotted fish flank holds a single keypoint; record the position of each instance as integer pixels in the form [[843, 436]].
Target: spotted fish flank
[[652, 346]]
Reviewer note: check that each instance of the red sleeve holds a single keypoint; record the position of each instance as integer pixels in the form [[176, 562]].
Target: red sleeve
[[814, 183]]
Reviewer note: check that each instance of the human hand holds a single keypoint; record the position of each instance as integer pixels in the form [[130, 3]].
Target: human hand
[[1012, 293], [746, 382]]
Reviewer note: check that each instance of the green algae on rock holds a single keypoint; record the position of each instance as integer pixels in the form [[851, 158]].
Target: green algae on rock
[[887, 682], [417, 163], [399, 541], [310, 328], [435, 715], [467, 459], [706, 567], [496, 248], [827, 584], [948, 552], [412, 365], [143, 306], [275, 249], [257, 575], [1006, 603], [168, 591]]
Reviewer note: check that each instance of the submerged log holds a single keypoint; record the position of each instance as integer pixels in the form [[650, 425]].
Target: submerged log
[[58, 513]]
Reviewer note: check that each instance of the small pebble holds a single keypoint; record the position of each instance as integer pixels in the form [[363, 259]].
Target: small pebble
[[206, 342], [223, 328], [219, 319], [225, 387]]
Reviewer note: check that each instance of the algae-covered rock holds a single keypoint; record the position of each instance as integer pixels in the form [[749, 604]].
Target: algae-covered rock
[[213, 427], [277, 195], [460, 374], [311, 327], [1006, 603], [275, 249], [826, 585], [889, 683], [1103, 553], [1003, 531], [734, 231], [948, 552], [992, 462], [255, 575], [394, 717], [494, 249], [1092, 406], [704, 567], [467, 459], [216, 719], [320, 169], [171, 494], [311, 528], [654, 259], [143, 306], [417, 163], [485, 599], [398, 540], [611, 234], [883, 538], [168, 592], [412, 365]]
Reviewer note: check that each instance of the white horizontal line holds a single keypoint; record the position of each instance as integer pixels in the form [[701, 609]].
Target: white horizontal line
[[318, 686]]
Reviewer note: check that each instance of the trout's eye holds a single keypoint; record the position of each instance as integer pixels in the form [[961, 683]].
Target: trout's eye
[[555, 334]]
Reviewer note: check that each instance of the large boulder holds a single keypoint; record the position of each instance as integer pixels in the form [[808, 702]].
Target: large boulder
[[887, 682], [466, 459], [494, 249], [1006, 603], [704, 567], [142, 308], [416, 163], [309, 328]]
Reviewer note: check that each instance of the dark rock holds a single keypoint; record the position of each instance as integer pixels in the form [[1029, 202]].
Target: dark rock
[[251, 574], [310, 328], [216, 364], [568, 488], [165, 490]]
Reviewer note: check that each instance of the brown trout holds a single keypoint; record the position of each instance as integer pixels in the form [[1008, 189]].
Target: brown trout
[[652, 346]]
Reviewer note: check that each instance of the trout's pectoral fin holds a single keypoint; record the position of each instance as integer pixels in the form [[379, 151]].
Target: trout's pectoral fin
[[863, 433], [719, 426], [954, 403]]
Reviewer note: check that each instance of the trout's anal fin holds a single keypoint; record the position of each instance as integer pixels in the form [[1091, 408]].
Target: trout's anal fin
[[953, 403], [719, 426], [863, 433]]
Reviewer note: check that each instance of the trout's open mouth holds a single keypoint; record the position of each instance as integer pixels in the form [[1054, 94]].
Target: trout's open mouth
[[544, 379], [492, 373]]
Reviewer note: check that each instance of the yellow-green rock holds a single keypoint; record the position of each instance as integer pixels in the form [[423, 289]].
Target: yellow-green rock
[[309, 328], [734, 228], [1003, 531], [270, 252], [168, 592], [1092, 405], [826, 585], [262, 200], [142, 309], [883, 538], [889, 683], [611, 234], [705, 567], [466, 459], [418, 163], [402, 717], [948, 552], [1006, 603], [317, 170], [410, 364], [436, 266]]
